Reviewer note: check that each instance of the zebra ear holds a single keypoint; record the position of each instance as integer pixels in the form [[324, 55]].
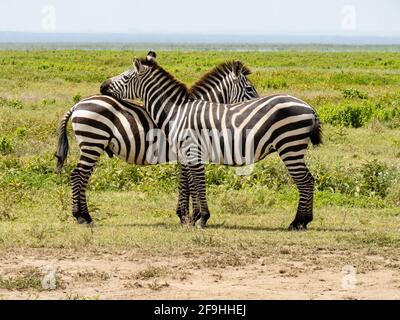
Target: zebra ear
[[137, 64], [151, 56], [237, 68]]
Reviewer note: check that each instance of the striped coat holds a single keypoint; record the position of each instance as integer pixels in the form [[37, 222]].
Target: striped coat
[[242, 133], [105, 124]]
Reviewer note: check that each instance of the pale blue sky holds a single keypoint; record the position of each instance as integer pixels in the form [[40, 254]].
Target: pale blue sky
[[305, 17]]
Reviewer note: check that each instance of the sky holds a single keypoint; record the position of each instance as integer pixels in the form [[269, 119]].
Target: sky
[[233, 17]]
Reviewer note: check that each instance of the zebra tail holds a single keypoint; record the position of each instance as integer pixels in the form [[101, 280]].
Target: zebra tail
[[316, 133], [63, 146]]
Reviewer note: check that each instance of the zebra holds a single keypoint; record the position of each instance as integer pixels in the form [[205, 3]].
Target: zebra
[[104, 124], [229, 134]]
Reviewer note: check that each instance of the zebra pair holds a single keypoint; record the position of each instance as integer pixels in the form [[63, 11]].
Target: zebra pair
[[105, 124], [230, 134]]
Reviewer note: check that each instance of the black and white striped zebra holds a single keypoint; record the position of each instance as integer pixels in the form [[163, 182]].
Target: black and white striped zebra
[[102, 123], [236, 134]]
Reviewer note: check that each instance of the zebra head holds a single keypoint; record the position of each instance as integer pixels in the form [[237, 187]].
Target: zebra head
[[241, 88], [226, 83], [129, 84]]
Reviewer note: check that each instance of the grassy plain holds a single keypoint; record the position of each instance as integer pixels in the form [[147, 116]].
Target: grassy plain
[[356, 94]]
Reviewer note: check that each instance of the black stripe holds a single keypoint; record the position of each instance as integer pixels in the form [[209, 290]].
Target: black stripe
[[295, 148], [292, 138], [281, 130], [90, 135]]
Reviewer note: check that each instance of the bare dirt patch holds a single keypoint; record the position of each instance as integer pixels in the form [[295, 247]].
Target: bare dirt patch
[[131, 275]]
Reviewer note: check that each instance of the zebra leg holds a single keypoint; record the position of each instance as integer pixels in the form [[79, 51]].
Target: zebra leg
[[183, 202], [195, 203], [197, 183], [76, 182], [82, 197], [305, 185], [79, 179]]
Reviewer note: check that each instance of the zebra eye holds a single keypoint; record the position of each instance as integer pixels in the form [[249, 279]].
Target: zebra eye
[[125, 77]]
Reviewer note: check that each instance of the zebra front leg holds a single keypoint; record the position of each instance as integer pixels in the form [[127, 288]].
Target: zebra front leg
[[305, 185]]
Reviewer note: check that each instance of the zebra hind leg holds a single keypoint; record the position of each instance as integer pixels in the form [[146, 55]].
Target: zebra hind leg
[[195, 205], [305, 185], [83, 202], [190, 157], [198, 193], [76, 190], [192, 193], [182, 210], [79, 179]]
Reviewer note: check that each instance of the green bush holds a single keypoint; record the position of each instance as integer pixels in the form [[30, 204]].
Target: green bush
[[277, 84], [354, 93], [389, 116], [354, 116], [76, 98], [6, 146], [376, 178], [13, 103], [335, 179], [373, 178], [21, 131]]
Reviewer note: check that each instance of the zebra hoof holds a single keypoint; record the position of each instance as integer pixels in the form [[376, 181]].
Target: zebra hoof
[[203, 224], [185, 220], [80, 220], [300, 224], [185, 224], [297, 227], [203, 219]]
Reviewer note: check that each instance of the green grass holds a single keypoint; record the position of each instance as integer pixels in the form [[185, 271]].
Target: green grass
[[356, 94]]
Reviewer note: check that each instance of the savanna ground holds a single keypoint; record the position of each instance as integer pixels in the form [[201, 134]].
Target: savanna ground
[[137, 250]]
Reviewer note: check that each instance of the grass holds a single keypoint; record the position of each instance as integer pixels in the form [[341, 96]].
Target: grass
[[149, 272], [357, 197], [88, 276], [79, 297], [157, 286], [28, 279]]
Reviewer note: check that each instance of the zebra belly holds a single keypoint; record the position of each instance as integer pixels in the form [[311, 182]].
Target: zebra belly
[[154, 152]]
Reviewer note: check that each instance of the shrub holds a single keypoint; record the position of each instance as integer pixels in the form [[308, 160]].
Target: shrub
[[376, 178], [21, 132], [76, 98], [389, 116], [6, 146], [354, 116], [13, 103], [277, 84], [354, 93]]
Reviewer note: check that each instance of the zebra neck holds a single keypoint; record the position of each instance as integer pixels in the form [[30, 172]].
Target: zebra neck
[[162, 102], [163, 112]]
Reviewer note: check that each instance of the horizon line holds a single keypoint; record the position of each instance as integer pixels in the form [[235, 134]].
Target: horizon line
[[139, 33]]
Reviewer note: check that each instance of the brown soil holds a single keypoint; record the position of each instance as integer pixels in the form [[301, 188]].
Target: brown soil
[[129, 275]]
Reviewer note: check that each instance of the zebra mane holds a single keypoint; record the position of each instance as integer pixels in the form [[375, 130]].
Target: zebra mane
[[229, 66], [182, 87]]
